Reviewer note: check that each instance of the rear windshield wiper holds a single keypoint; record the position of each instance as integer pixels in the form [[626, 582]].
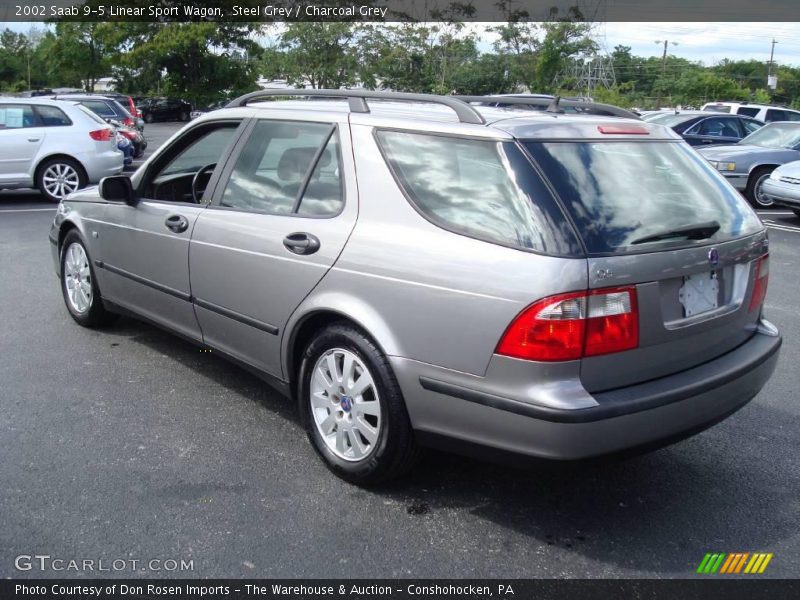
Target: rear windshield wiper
[[698, 231]]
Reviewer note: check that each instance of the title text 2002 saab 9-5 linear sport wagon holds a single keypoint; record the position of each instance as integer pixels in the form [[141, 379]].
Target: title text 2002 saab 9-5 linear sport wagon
[[418, 270]]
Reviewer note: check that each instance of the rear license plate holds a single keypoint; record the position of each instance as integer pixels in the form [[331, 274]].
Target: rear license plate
[[699, 293]]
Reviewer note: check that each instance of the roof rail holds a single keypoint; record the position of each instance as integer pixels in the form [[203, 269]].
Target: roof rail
[[358, 100], [592, 108]]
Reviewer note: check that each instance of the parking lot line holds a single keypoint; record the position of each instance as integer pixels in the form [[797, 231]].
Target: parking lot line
[[782, 227], [18, 210]]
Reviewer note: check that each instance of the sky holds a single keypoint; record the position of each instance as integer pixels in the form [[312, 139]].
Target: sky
[[705, 42]]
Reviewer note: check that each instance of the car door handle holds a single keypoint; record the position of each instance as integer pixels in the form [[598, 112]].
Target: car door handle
[[177, 223], [707, 141], [34, 139], [301, 243]]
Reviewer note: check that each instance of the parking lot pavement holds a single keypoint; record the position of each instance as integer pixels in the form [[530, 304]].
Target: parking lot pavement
[[130, 443]]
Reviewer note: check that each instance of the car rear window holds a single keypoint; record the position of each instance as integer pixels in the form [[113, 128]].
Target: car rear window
[[481, 189], [90, 114], [621, 192]]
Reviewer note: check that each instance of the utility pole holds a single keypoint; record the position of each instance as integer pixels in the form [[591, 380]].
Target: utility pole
[[771, 83], [663, 66]]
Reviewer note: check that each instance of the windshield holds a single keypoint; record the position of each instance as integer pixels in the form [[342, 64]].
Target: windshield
[[775, 135], [670, 119], [621, 193]]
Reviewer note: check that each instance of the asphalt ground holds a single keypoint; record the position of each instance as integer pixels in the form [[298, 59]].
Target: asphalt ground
[[131, 444]]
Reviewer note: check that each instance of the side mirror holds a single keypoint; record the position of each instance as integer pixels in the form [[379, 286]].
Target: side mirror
[[117, 188]]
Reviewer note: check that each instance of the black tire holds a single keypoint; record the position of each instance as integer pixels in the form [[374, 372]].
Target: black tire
[[796, 211], [184, 116], [395, 450], [148, 117], [757, 177], [66, 165], [96, 315]]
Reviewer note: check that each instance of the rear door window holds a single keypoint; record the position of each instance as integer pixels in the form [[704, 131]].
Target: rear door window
[[621, 193], [481, 189], [288, 167]]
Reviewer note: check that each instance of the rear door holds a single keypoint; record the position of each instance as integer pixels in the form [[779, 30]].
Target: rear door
[[657, 219], [280, 218], [21, 137], [714, 130]]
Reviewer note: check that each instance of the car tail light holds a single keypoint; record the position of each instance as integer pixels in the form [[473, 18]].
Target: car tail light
[[760, 286], [129, 122], [131, 135], [102, 135], [571, 326]]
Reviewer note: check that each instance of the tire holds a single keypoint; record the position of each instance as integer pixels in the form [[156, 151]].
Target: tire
[[370, 438], [184, 116], [752, 192], [148, 117], [796, 212], [58, 177], [85, 306]]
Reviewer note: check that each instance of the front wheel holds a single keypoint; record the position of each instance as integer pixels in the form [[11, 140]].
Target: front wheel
[[755, 185], [353, 409], [79, 286], [148, 117]]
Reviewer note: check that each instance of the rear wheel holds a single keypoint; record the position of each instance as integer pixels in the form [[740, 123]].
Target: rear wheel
[[353, 409], [184, 116], [755, 192], [148, 117], [59, 177], [79, 286]]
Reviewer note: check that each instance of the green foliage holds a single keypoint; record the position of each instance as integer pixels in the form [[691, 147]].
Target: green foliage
[[204, 61]]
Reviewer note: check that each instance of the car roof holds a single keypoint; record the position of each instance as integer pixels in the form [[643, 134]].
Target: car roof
[[45, 100], [501, 123]]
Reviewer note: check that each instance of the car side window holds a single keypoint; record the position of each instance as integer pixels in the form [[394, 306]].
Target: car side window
[[479, 188], [288, 168], [52, 116], [98, 107], [17, 116], [747, 111], [776, 115], [198, 149], [720, 127], [750, 126]]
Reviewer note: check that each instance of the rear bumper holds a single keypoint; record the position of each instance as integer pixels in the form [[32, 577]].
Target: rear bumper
[[444, 406]]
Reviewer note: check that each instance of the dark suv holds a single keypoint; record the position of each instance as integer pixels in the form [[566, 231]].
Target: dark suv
[[164, 109]]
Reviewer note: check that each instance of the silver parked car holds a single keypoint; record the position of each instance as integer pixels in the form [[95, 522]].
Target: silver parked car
[[420, 271], [783, 186], [55, 146], [748, 164]]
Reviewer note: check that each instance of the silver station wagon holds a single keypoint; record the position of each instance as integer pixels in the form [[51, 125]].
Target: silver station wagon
[[417, 270]]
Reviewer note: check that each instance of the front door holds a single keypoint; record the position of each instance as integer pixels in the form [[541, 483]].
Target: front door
[[280, 217], [143, 256]]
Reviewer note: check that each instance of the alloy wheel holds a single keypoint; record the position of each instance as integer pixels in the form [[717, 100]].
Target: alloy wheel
[[345, 405], [60, 179], [78, 278]]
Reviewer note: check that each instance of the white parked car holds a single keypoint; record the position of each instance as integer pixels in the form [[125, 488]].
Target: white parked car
[[55, 146], [762, 112]]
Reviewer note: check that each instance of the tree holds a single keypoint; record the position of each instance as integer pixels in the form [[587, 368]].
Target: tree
[[322, 55]]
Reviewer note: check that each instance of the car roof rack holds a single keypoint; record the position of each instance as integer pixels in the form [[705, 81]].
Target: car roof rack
[[357, 100], [551, 105]]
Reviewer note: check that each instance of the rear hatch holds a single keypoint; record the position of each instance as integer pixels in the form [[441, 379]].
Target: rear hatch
[[654, 217]]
